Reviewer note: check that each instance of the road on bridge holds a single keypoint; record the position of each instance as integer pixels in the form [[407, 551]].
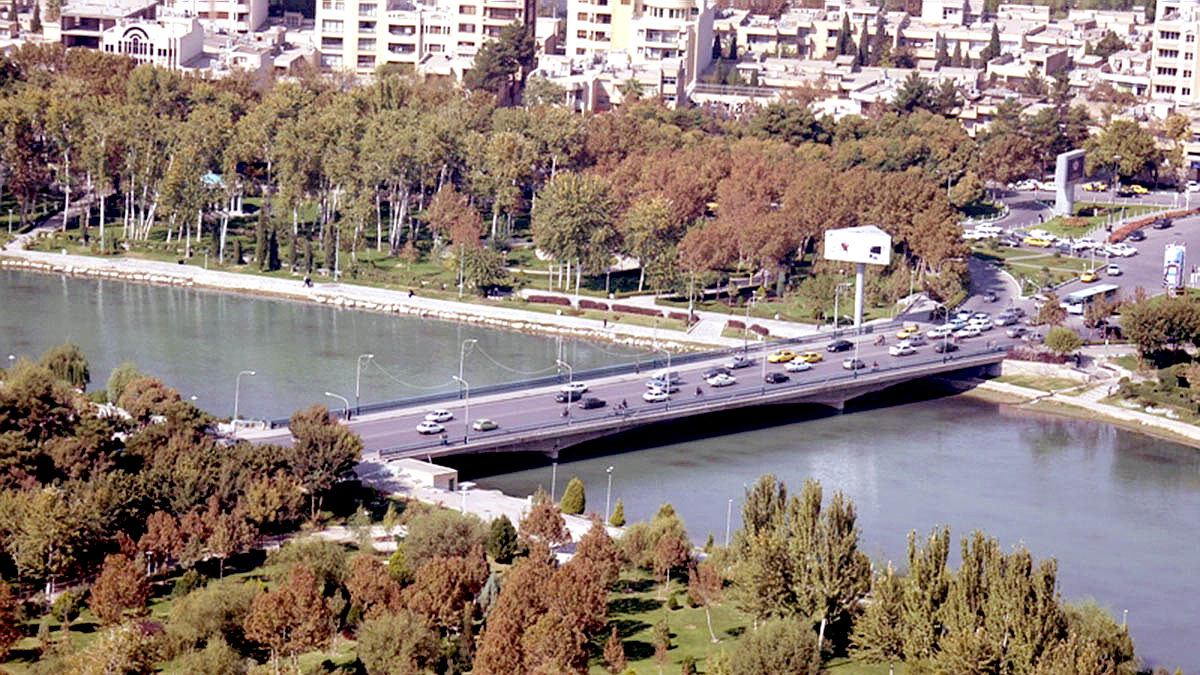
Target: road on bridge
[[395, 430]]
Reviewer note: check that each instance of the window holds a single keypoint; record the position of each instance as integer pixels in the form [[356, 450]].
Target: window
[[1187, 73], [468, 10], [466, 28], [367, 10], [656, 12], [331, 43], [1188, 56], [1190, 37], [1168, 35], [678, 14], [331, 26], [583, 16], [1169, 72], [1164, 89], [435, 48], [1168, 53], [366, 44], [581, 34], [331, 60], [367, 61], [1185, 91], [366, 26]]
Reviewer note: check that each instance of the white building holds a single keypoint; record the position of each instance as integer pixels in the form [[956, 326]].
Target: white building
[[170, 42], [1173, 71], [232, 16]]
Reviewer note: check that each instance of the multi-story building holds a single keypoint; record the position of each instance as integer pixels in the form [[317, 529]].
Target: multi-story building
[[232, 16], [648, 31], [81, 22], [169, 41], [361, 35], [1174, 75]]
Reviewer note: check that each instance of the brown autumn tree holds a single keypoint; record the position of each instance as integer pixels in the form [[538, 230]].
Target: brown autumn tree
[[369, 584], [120, 591], [162, 540], [670, 553], [10, 620], [291, 619], [599, 552], [194, 530], [443, 586], [145, 397], [229, 534], [521, 602], [554, 644], [451, 215], [543, 524], [705, 587], [614, 653]]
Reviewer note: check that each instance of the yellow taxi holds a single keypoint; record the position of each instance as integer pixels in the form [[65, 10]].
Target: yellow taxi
[[782, 356], [811, 357], [1095, 187], [1138, 190], [1088, 276], [1037, 242], [908, 331]]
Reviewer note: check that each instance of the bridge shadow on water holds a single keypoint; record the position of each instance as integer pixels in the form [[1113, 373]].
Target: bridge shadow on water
[[751, 418]]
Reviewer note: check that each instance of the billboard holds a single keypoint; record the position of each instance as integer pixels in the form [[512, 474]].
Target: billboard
[[1174, 257], [865, 244]]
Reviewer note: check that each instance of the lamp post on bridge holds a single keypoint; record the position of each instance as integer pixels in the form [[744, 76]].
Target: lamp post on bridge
[[344, 400], [358, 378], [567, 393], [462, 353], [237, 391], [608, 494], [466, 409]]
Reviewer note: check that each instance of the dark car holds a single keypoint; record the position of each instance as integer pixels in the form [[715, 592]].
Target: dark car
[[1162, 223], [1137, 235], [839, 346], [592, 403], [990, 296], [944, 346], [775, 378], [568, 396], [1016, 331], [719, 370]]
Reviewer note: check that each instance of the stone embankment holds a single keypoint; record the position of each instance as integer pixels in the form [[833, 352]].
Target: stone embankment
[[495, 314]]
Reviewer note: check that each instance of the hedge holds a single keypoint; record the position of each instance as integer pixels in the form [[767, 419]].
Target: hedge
[[634, 309], [735, 324], [759, 330], [551, 299], [1128, 228], [584, 303]]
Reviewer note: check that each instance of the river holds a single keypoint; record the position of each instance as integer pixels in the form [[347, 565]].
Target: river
[[1119, 510]]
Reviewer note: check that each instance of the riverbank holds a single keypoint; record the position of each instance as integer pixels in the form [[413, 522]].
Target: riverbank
[[491, 313]]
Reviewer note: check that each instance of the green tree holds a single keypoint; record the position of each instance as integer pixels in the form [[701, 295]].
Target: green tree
[[35, 24], [442, 533], [574, 500], [400, 642], [942, 55], [501, 65], [992, 50], [778, 646], [323, 452], [1051, 312], [915, 92], [617, 519], [1161, 323], [968, 190], [121, 376], [1125, 148], [1063, 340], [68, 364], [501, 542], [573, 220], [1108, 45], [845, 44], [879, 634]]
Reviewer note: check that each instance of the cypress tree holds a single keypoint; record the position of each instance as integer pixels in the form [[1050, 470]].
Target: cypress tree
[[957, 59], [862, 56], [844, 43], [716, 48], [618, 515], [238, 254], [733, 53], [260, 242], [502, 540], [272, 250], [35, 25], [943, 54], [574, 501], [878, 636], [992, 50]]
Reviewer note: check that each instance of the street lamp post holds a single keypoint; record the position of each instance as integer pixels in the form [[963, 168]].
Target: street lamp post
[[358, 378], [462, 354], [837, 294], [553, 479], [746, 330], [237, 391], [728, 519], [345, 402], [608, 494], [466, 408], [567, 393]]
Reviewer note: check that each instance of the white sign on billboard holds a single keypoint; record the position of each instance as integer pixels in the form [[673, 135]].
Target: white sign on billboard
[[865, 244]]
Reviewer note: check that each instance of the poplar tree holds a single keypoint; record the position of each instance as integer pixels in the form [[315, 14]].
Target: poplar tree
[[925, 589], [574, 501], [879, 634], [617, 519]]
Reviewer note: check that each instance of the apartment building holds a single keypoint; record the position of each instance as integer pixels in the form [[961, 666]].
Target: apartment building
[[361, 35], [649, 31], [1173, 72], [231, 16], [81, 22]]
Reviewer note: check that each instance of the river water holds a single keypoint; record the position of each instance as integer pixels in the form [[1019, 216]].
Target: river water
[[1119, 510]]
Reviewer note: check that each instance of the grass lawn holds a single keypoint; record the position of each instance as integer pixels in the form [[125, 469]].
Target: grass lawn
[[1098, 215], [1041, 383], [1131, 363]]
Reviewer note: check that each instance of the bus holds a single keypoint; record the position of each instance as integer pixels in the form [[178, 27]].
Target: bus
[[1173, 261], [1077, 302]]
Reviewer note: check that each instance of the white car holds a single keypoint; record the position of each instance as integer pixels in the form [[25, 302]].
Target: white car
[[974, 235], [797, 366], [1085, 244], [916, 339], [989, 230], [1123, 250], [721, 380], [430, 427], [981, 324], [656, 396], [901, 349], [967, 332], [939, 331], [1113, 270], [1043, 234], [1193, 186], [439, 416], [574, 388]]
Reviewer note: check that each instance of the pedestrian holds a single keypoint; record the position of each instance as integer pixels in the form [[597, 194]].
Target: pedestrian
[[699, 391], [445, 441], [410, 293], [606, 323]]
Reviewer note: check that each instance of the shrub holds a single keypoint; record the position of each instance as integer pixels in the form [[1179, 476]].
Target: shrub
[[550, 299], [759, 330], [633, 309], [584, 303]]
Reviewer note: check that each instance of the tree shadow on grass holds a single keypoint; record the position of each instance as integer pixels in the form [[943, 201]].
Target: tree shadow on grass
[[625, 627], [633, 605], [637, 585], [736, 631], [636, 650]]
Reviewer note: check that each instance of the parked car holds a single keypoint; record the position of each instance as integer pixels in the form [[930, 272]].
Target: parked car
[[990, 296], [943, 346], [1162, 224], [568, 396], [981, 324], [739, 361], [901, 349], [797, 366], [1193, 186], [485, 424], [1005, 319], [854, 364], [1137, 235], [721, 380], [1123, 250], [592, 403], [439, 416], [775, 378], [839, 346], [427, 427]]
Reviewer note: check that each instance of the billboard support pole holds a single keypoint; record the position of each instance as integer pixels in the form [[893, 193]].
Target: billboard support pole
[[859, 273]]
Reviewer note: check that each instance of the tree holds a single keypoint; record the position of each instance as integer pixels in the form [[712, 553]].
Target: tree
[[370, 585], [501, 65], [574, 501], [68, 364], [705, 586], [778, 646], [291, 619], [1108, 45], [502, 543], [544, 524], [161, 541], [10, 620], [1161, 323], [121, 590], [399, 642], [1063, 340], [992, 50], [323, 453], [915, 92], [442, 533], [120, 378], [844, 42], [1051, 313], [969, 190], [1125, 148], [229, 533], [614, 653], [879, 634], [35, 24], [942, 55], [573, 220], [670, 553], [617, 519], [443, 586]]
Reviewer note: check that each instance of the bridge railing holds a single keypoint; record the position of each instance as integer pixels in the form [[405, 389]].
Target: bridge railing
[[797, 382], [636, 366]]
